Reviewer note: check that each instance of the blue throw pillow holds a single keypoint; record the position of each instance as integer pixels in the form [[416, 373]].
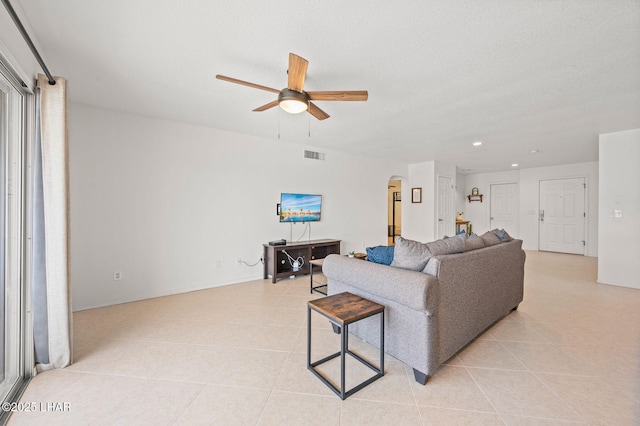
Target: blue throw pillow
[[380, 254], [502, 234]]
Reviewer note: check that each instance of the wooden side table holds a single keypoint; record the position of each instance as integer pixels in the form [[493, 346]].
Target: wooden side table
[[464, 223], [343, 309]]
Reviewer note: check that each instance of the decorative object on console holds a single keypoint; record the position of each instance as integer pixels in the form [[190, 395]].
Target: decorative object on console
[[416, 195]]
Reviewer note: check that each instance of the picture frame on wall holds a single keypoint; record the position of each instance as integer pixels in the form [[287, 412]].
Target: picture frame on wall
[[416, 195]]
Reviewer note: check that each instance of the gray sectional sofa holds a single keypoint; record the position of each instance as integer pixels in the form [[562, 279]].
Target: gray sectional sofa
[[434, 312]]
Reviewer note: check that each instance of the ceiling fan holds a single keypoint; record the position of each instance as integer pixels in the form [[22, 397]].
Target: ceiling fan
[[293, 99]]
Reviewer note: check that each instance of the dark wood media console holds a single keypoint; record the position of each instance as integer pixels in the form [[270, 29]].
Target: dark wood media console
[[276, 263]]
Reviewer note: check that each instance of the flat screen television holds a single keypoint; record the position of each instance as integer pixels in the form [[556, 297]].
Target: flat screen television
[[300, 207]]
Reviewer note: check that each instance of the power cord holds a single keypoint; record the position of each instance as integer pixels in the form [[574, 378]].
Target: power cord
[[306, 226], [296, 264], [261, 260]]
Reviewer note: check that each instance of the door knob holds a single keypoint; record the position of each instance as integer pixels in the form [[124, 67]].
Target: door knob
[[439, 220]]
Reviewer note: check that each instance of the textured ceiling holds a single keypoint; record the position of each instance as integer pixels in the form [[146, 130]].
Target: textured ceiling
[[517, 75]]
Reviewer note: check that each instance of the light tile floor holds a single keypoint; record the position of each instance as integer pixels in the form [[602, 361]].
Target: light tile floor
[[236, 355]]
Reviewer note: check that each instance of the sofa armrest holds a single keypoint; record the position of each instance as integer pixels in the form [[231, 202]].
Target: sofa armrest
[[413, 289]]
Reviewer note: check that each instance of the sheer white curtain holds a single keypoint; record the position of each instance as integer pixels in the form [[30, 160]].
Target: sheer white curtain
[[51, 291]]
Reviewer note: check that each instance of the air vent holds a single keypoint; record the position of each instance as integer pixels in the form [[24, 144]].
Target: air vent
[[314, 155]]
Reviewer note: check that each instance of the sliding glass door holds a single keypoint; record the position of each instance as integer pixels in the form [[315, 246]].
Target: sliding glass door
[[12, 231]]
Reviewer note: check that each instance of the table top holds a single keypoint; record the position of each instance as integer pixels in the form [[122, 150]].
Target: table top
[[345, 308]]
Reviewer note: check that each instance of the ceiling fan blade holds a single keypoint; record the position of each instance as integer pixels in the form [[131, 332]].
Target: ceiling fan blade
[[317, 112], [297, 72], [339, 95], [246, 83], [267, 106]]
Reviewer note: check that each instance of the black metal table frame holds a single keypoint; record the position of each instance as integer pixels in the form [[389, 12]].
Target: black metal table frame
[[318, 287], [344, 349]]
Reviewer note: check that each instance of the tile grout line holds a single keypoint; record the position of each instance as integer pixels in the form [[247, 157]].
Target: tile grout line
[[543, 383]]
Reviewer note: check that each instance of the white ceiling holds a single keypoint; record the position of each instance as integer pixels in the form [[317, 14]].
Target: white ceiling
[[516, 74]]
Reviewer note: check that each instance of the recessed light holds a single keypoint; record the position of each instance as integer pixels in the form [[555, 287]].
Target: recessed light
[[534, 151], [477, 143], [514, 165]]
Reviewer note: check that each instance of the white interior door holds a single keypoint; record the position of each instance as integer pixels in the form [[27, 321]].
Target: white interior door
[[504, 207], [562, 215], [446, 216]]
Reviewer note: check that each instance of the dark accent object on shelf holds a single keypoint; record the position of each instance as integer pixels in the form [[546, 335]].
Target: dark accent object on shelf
[[277, 242]]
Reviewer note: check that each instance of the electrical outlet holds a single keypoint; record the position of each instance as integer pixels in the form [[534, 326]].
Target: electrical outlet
[[117, 276]]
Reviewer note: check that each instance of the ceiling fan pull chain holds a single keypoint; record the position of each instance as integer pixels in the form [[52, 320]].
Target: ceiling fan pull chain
[[309, 121], [278, 124]]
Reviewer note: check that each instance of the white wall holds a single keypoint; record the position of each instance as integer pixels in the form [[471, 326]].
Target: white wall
[[173, 205], [528, 181], [418, 219], [619, 238]]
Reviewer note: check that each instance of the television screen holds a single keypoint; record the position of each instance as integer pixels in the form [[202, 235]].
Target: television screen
[[300, 207]]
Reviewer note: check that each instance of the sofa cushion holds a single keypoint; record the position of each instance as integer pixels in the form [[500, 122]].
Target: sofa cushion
[[490, 238], [502, 234], [410, 254], [433, 267], [448, 245], [380, 254], [473, 242]]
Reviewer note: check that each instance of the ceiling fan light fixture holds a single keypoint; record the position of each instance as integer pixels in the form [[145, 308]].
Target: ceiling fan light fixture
[[293, 102]]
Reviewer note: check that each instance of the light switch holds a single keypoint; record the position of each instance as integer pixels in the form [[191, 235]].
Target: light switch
[[617, 214]]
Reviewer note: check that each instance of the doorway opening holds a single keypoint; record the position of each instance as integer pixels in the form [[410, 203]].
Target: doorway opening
[[394, 222]]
